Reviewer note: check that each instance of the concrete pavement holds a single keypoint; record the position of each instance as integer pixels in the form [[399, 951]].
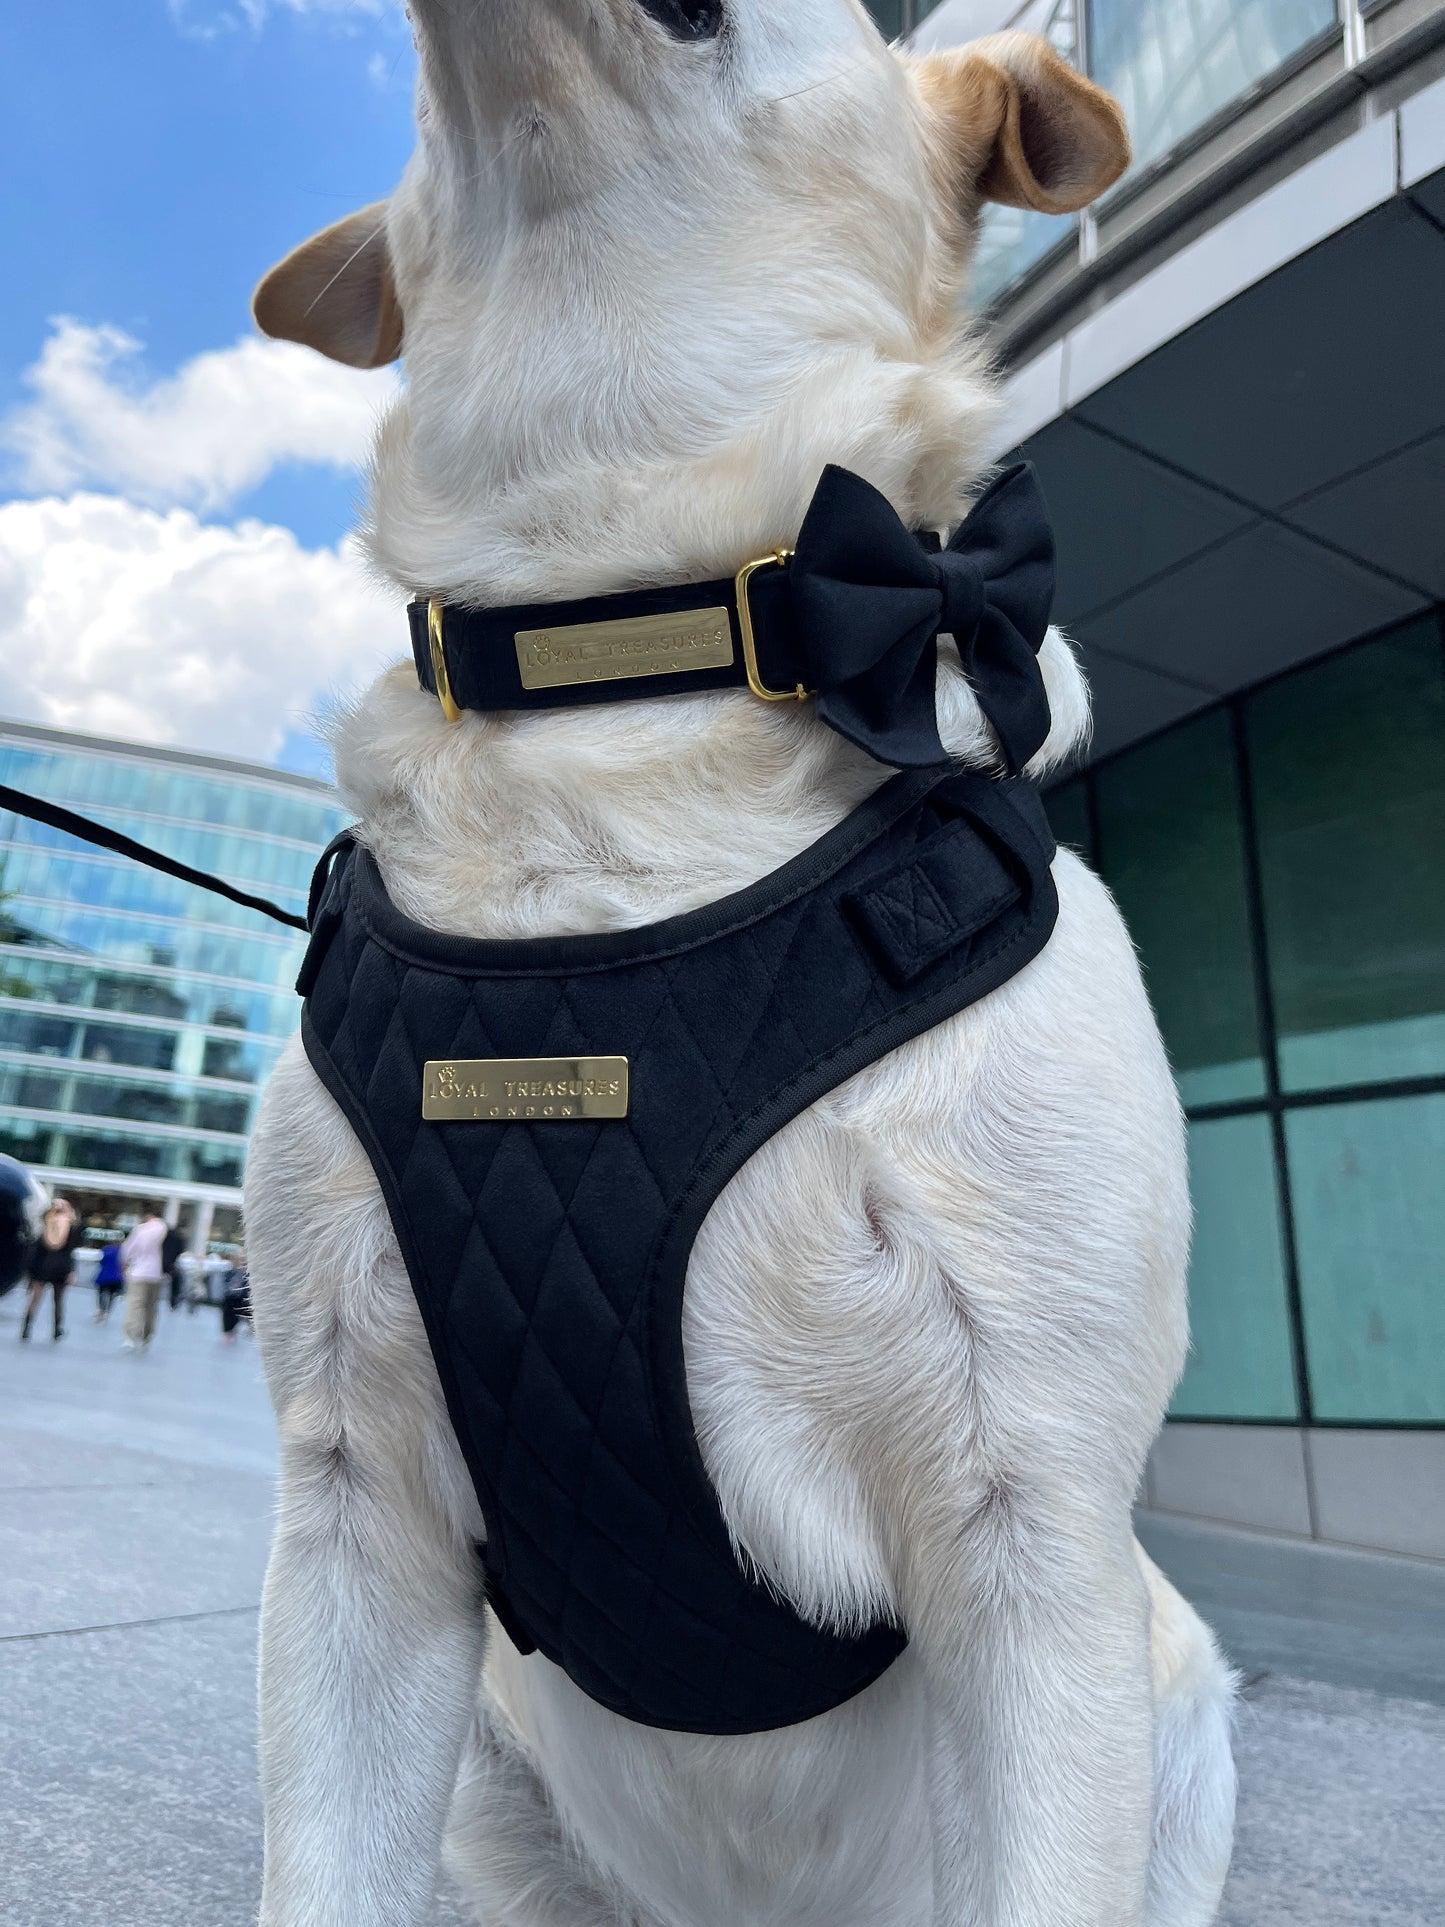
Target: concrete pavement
[[135, 1497], [135, 1510]]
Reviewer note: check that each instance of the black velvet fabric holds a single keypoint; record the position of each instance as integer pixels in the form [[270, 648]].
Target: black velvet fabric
[[870, 604], [854, 619], [549, 1258]]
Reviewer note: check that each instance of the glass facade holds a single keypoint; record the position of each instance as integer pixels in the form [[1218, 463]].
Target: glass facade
[[138, 1016], [1012, 239], [1173, 67], [1280, 862], [899, 17]]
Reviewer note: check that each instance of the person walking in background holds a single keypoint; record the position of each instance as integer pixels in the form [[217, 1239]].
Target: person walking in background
[[109, 1280], [171, 1249], [140, 1258], [236, 1298], [52, 1263]]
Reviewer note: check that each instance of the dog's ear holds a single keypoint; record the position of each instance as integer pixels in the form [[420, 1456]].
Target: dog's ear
[[336, 293], [1018, 124]]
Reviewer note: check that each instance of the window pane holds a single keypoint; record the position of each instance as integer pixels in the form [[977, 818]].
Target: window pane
[[1174, 66], [1370, 1237], [1348, 760], [889, 15], [1240, 1362], [1068, 808], [1171, 849], [1010, 241]]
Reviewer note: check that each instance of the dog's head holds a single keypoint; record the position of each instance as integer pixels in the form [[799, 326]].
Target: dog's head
[[687, 250]]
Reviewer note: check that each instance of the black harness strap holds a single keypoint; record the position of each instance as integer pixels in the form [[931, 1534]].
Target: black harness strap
[[87, 831], [548, 1249]]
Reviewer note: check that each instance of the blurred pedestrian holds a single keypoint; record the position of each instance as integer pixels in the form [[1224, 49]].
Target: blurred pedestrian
[[140, 1258], [52, 1264], [236, 1298], [109, 1280], [171, 1249]]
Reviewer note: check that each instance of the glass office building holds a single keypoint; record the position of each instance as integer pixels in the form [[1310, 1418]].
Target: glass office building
[[138, 1015], [1226, 372], [1281, 864]]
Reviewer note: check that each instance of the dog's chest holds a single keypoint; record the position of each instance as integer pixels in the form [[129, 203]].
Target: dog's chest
[[550, 1123]]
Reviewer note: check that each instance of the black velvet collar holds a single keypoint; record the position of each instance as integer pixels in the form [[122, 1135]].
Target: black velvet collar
[[850, 618]]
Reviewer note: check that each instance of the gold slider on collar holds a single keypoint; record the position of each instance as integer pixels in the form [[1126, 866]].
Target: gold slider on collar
[[779, 559], [435, 609]]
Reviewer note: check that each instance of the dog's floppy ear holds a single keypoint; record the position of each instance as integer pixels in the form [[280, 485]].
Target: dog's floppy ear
[[336, 293], [1019, 125]]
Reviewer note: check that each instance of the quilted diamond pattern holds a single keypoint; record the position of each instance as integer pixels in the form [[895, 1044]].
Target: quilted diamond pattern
[[549, 1258]]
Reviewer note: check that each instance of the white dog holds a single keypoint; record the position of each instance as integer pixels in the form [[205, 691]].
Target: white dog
[[656, 263]]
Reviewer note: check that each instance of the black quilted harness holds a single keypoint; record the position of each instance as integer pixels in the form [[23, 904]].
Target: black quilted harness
[[548, 1251], [546, 1198]]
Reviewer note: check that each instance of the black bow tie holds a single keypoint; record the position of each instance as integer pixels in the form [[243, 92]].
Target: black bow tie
[[852, 617], [870, 602]]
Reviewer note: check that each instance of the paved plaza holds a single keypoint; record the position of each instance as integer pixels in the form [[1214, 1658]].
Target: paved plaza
[[135, 1497]]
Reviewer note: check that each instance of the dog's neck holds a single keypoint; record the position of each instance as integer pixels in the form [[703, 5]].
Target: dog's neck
[[578, 820]]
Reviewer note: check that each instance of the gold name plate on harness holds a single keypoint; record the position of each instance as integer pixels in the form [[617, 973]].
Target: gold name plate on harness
[[528, 1089], [665, 645]]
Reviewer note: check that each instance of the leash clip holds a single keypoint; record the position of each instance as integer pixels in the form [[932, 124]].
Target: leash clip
[[779, 559], [435, 610]]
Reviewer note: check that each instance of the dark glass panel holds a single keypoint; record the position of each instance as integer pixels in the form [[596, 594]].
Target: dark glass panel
[[137, 1157], [19, 1138], [210, 1166], [153, 1050], [1348, 762], [1068, 808], [139, 996], [1369, 1211], [35, 1091], [37, 1036], [1171, 848], [136, 1103], [215, 1112], [239, 1060], [1240, 1359]]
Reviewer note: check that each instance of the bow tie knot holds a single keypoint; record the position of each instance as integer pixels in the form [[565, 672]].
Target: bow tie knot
[[869, 602], [961, 582]]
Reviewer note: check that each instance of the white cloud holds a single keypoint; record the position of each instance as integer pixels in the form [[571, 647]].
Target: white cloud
[[126, 621], [203, 436], [389, 73], [206, 19]]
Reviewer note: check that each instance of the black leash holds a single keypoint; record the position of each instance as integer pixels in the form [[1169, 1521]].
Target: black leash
[[106, 839]]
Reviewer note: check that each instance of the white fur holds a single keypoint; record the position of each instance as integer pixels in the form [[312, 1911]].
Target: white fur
[[931, 1327]]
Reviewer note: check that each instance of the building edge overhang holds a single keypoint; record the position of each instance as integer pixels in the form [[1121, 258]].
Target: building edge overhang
[[127, 1184], [1307, 105], [1241, 445], [233, 768], [1362, 170]]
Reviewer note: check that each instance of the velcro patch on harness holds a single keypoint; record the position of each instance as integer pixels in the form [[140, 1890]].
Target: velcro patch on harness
[[954, 885]]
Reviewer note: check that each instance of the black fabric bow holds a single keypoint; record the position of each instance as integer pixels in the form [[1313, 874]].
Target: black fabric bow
[[869, 603]]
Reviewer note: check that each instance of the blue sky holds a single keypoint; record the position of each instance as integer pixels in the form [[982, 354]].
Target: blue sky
[[157, 157]]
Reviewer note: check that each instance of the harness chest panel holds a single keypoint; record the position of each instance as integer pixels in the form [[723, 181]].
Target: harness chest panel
[[549, 1257]]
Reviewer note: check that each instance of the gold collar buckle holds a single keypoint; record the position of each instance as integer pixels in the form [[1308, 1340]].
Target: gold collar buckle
[[779, 559], [435, 609]]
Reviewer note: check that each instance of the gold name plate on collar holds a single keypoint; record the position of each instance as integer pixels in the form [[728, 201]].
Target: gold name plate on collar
[[496, 1090], [665, 645]]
